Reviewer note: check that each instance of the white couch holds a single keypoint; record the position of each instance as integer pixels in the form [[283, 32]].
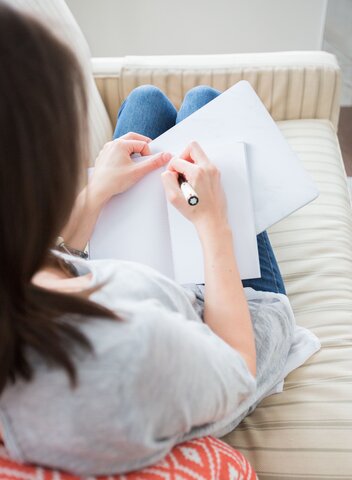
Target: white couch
[[306, 431]]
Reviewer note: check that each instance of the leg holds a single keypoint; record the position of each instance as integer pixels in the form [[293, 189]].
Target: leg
[[194, 99], [271, 279], [147, 111]]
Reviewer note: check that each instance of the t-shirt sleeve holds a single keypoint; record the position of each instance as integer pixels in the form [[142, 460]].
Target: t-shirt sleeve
[[190, 377]]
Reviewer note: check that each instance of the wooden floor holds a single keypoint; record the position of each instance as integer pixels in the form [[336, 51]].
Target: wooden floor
[[345, 137]]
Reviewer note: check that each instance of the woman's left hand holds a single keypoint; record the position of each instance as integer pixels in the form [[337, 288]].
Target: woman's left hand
[[115, 171]]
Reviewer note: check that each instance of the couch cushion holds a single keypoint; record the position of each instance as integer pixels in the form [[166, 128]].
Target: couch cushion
[[305, 432], [56, 15], [200, 459]]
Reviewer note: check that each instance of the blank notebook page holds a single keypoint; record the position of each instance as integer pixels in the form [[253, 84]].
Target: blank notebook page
[[186, 249], [140, 225], [134, 226]]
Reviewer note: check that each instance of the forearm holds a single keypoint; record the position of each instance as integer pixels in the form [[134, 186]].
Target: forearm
[[226, 309], [86, 210]]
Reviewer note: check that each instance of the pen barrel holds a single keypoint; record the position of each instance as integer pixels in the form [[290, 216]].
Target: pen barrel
[[189, 194]]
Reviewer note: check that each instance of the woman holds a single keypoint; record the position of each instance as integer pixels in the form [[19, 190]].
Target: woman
[[105, 365]]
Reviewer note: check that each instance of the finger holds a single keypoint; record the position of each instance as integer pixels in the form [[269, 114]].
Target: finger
[[180, 165], [157, 161], [135, 136], [136, 146], [194, 153], [171, 187]]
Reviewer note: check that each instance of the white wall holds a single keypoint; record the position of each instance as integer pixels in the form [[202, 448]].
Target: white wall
[[156, 27], [338, 40]]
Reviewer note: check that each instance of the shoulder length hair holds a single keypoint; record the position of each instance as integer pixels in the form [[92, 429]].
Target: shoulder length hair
[[43, 147]]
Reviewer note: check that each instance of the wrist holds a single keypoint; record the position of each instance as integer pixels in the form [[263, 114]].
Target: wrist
[[213, 228], [97, 196]]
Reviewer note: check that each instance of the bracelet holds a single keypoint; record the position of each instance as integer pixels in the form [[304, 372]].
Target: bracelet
[[61, 245]]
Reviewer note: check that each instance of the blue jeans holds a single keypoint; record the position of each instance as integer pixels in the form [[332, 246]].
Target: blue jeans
[[148, 111]]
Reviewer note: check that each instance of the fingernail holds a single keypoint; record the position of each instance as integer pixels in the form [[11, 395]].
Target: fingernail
[[167, 156]]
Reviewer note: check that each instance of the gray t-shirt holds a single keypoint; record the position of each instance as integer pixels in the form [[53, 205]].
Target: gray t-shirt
[[157, 377]]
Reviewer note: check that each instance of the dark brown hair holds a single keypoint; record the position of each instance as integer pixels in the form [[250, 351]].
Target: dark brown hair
[[43, 143]]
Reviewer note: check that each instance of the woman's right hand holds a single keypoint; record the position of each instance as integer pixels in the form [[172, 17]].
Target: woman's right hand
[[204, 177]]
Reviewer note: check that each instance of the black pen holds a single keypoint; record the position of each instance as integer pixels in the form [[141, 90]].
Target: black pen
[[188, 192]]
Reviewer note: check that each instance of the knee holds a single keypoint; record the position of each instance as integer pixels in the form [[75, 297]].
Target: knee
[[202, 93], [146, 92]]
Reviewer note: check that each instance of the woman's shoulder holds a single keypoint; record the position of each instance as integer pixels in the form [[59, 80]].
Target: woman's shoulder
[[127, 272], [116, 283]]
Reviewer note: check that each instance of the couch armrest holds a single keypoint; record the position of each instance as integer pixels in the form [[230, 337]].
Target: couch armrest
[[292, 85]]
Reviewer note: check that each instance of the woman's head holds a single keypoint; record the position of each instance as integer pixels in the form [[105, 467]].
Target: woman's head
[[42, 146]]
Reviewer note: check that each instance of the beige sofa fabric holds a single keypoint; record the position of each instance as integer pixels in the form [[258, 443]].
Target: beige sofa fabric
[[292, 85], [305, 432]]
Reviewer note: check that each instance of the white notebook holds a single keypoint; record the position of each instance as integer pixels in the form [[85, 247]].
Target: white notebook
[[140, 225]]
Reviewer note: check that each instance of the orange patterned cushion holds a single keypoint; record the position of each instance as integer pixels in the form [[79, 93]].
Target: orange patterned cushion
[[202, 459]]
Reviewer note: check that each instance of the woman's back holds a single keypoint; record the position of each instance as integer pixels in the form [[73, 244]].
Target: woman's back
[[156, 377]]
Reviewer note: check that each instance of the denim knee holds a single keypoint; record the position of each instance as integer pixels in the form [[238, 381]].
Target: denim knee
[[143, 94], [148, 91], [147, 111], [203, 92]]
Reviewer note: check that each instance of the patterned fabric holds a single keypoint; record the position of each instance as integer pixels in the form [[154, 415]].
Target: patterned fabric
[[203, 459]]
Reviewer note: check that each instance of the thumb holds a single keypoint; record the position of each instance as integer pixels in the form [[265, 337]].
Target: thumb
[[153, 163]]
